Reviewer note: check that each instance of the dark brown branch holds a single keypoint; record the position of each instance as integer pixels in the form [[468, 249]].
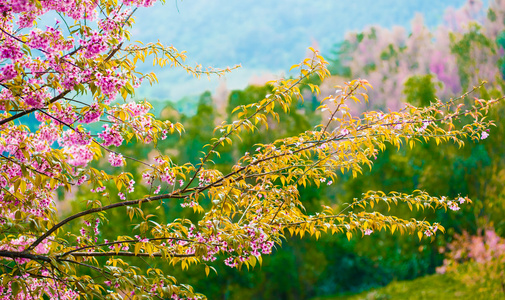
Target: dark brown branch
[[95, 210], [19, 115], [124, 253], [32, 169], [15, 254], [125, 242]]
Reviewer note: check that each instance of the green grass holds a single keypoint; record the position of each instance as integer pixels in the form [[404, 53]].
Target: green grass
[[432, 287]]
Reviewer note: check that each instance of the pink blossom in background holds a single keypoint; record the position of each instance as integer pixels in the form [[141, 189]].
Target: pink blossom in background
[[426, 52], [481, 248]]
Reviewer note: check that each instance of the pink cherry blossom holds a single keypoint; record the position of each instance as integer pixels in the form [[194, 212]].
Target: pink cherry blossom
[[116, 159]]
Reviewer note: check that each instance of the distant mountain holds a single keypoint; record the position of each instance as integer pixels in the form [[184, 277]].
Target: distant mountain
[[264, 36]]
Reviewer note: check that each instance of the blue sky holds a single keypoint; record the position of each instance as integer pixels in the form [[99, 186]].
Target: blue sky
[[264, 36]]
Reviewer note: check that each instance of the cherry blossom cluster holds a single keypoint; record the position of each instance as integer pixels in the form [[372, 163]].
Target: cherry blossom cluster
[[453, 205], [20, 243], [98, 189], [116, 159], [144, 128], [124, 247], [29, 10], [259, 244], [62, 59], [144, 3], [205, 177], [57, 115], [12, 141], [5, 95], [112, 24], [131, 186], [135, 109], [37, 208], [168, 176], [110, 83], [148, 177], [35, 98], [71, 138], [7, 73], [94, 43], [10, 49], [36, 288], [92, 115], [212, 241], [219, 242], [139, 121], [432, 230], [111, 136], [177, 297], [86, 233], [50, 41], [79, 155], [191, 203], [484, 135]]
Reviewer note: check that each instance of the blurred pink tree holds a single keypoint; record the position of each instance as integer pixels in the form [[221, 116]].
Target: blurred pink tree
[[459, 54]]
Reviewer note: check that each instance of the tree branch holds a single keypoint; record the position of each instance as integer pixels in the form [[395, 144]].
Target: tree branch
[[125, 253], [19, 115]]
